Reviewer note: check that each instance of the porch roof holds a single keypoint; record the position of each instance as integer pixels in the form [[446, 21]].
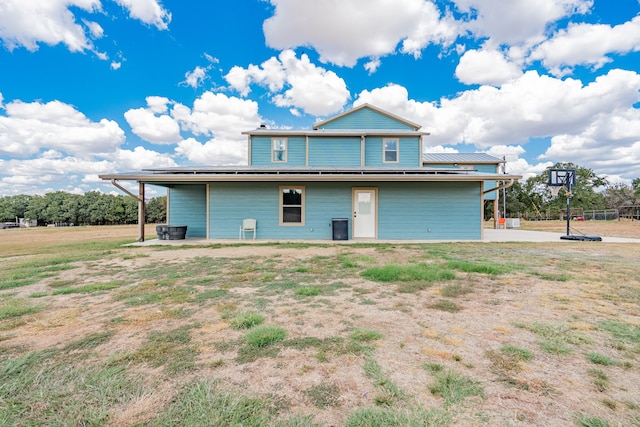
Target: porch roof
[[327, 174]]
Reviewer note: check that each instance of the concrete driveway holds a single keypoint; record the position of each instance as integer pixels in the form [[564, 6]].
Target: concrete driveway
[[514, 235]]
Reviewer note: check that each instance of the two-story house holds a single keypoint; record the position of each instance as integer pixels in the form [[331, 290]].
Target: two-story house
[[364, 167]]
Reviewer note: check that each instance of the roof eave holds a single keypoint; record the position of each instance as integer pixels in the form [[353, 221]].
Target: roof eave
[[317, 177]]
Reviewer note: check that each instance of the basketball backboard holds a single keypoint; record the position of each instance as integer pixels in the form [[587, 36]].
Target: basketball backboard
[[562, 177]]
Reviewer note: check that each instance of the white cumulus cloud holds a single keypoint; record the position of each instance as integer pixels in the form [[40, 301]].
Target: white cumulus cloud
[[486, 67], [31, 127], [218, 115], [312, 89], [150, 12], [158, 129], [214, 152], [587, 44], [344, 31], [596, 125], [28, 22]]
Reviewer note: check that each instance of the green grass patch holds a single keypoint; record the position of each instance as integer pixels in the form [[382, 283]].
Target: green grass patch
[[389, 392], [204, 403], [155, 292], [557, 338], [90, 342], [516, 353], [386, 417], [408, 273], [365, 335], [168, 349], [44, 388], [583, 420], [246, 320], [622, 332], [88, 289], [454, 388], [477, 267], [600, 379], [445, 305], [507, 360], [308, 291], [323, 395], [266, 335], [13, 308], [600, 359], [38, 294], [212, 294]]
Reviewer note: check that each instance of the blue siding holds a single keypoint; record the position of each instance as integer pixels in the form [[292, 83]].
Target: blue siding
[[188, 206], [261, 151], [409, 153], [334, 152], [366, 119], [406, 210], [429, 211], [230, 203], [488, 185]]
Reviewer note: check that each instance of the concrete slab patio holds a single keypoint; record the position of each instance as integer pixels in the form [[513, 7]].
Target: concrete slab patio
[[490, 235]]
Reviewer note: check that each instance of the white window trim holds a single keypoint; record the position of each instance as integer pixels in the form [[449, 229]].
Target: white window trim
[[397, 150], [281, 206], [286, 150]]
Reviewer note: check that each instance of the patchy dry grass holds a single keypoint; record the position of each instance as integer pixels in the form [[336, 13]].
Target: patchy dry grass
[[94, 333]]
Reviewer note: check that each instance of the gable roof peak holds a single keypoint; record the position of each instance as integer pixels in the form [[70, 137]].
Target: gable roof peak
[[379, 110]]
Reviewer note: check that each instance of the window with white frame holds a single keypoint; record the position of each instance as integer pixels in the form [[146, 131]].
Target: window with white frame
[[390, 148], [292, 205], [279, 150]]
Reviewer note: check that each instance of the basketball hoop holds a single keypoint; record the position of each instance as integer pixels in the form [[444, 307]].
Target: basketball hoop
[[555, 190]]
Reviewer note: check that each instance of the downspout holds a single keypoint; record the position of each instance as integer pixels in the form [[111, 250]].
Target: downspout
[[500, 187], [141, 210]]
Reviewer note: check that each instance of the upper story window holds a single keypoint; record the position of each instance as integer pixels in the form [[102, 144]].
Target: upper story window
[[279, 150], [390, 154]]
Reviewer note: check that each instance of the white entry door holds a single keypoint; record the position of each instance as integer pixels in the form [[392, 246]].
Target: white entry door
[[365, 207]]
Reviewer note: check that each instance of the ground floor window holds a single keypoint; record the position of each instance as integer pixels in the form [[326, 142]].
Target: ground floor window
[[291, 205]]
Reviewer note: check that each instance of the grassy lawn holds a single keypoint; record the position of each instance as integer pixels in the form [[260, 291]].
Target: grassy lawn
[[96, 333]]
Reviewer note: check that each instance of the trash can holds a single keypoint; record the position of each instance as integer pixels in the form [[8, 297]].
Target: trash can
[[171, 232], [162, 231], [177, 232], [340, 228]]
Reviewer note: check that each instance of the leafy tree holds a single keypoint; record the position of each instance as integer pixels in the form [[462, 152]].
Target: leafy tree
[[12, 207], [618, 196], [636, 187], [91, 208], [583, 194], [156, 210]]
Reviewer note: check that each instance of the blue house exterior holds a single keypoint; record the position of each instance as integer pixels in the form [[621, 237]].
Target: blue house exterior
[[364, 166]]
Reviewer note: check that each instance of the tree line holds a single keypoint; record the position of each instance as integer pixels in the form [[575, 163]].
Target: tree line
[[533, 199], [92, 208]]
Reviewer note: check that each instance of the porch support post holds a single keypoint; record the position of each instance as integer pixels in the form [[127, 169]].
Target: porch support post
[[141, 212]]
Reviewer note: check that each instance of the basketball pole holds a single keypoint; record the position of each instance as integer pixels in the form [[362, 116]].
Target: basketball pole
[[568, 204]]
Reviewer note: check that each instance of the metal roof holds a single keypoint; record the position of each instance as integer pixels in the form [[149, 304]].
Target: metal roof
[[465, 158], [333, 132], [327, 174]]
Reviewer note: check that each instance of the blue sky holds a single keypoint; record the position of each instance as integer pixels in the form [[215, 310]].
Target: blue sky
[[98, 86]]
